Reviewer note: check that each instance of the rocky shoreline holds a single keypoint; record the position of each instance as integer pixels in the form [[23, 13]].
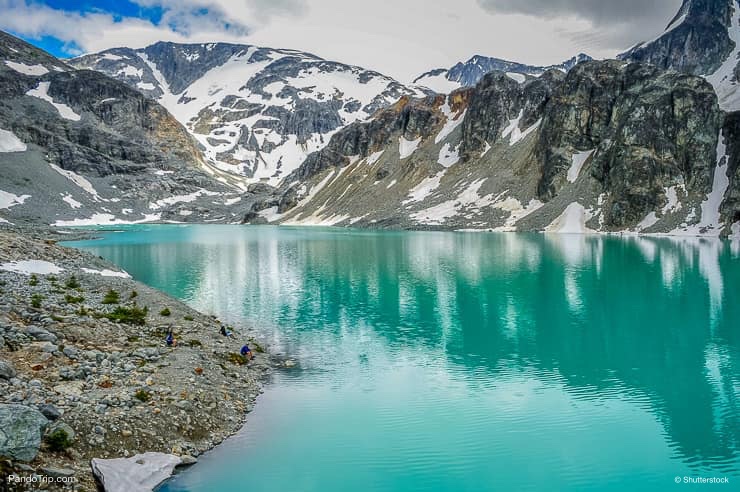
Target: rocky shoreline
[[85, 372]]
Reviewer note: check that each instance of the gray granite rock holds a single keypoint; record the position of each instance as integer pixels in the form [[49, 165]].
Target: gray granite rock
[[21, 429]]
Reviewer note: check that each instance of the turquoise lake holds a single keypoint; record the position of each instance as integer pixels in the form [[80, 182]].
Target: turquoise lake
[[464, 361]]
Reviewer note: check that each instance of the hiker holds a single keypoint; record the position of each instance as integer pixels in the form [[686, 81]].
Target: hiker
[[247, 352], [170, 338], [224, 331]]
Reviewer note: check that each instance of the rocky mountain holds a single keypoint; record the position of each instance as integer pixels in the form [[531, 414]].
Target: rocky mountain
[[609, 146], [78, 147], [468, 74], [702, 39], [256, 112]]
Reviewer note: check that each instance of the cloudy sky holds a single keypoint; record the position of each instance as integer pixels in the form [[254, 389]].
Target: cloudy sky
[[401, 38]]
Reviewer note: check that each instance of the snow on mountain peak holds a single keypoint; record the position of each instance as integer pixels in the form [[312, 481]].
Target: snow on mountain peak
[[256, 111]]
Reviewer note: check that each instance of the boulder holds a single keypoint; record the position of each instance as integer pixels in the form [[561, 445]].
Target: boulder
[[7, 371], [21, 428], [50, 411], [40, 334], [140, 473]]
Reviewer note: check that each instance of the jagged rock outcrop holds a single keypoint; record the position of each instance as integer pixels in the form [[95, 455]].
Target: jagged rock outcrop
[[649, 129], [696, 40], [497, 102], [410, 119]]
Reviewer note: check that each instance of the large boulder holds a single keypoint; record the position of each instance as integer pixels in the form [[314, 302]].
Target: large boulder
[[7, 371], [140, 473], [21, 429]]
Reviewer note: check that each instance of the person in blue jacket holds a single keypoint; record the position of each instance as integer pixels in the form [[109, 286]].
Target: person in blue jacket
[[247, 352], [170, 338]]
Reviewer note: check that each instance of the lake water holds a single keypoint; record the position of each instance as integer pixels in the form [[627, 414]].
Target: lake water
[[465, 362]]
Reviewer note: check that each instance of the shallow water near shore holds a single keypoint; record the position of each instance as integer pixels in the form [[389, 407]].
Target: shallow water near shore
[[462, 361]]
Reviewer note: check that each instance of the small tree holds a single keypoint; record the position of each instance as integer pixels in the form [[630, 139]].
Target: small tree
[[111, 297], [72, 283]]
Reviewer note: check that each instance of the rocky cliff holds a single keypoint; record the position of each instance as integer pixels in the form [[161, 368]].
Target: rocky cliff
[[696, 40], [702, 39], [611, 146], [79, 147]]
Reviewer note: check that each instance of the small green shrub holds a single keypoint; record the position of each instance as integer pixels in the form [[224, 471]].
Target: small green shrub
[[187, 317], [165, 312], [36, 300], [133, 295], [34, 281], [111, 297], [72, 283], [133, 315], [195, 343], [70, 299], [52, 279], [82, 311], [237, 359], [58, 440], [143, 395], [257, 347]]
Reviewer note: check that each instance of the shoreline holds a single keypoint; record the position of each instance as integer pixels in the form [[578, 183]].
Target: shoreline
[[105, 376]]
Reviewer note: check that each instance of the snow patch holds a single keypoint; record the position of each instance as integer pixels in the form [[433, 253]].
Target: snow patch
[[572, 221], [673, 204], [517, 211], [71, 201], [270, 214], [407, 147], [513, 131], [172, 200], [709, 223], [453, 121], [10, 143], [578, 160], [42, 92], [33, 70], [485, 151], [723, 79], [649, 221], [375, 157], [29, 267], [439, 83], [425, 188], [8, 199], [104, 219], [447, 156], [107, 273], [517, 77], [469, 197], [78, 180]]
